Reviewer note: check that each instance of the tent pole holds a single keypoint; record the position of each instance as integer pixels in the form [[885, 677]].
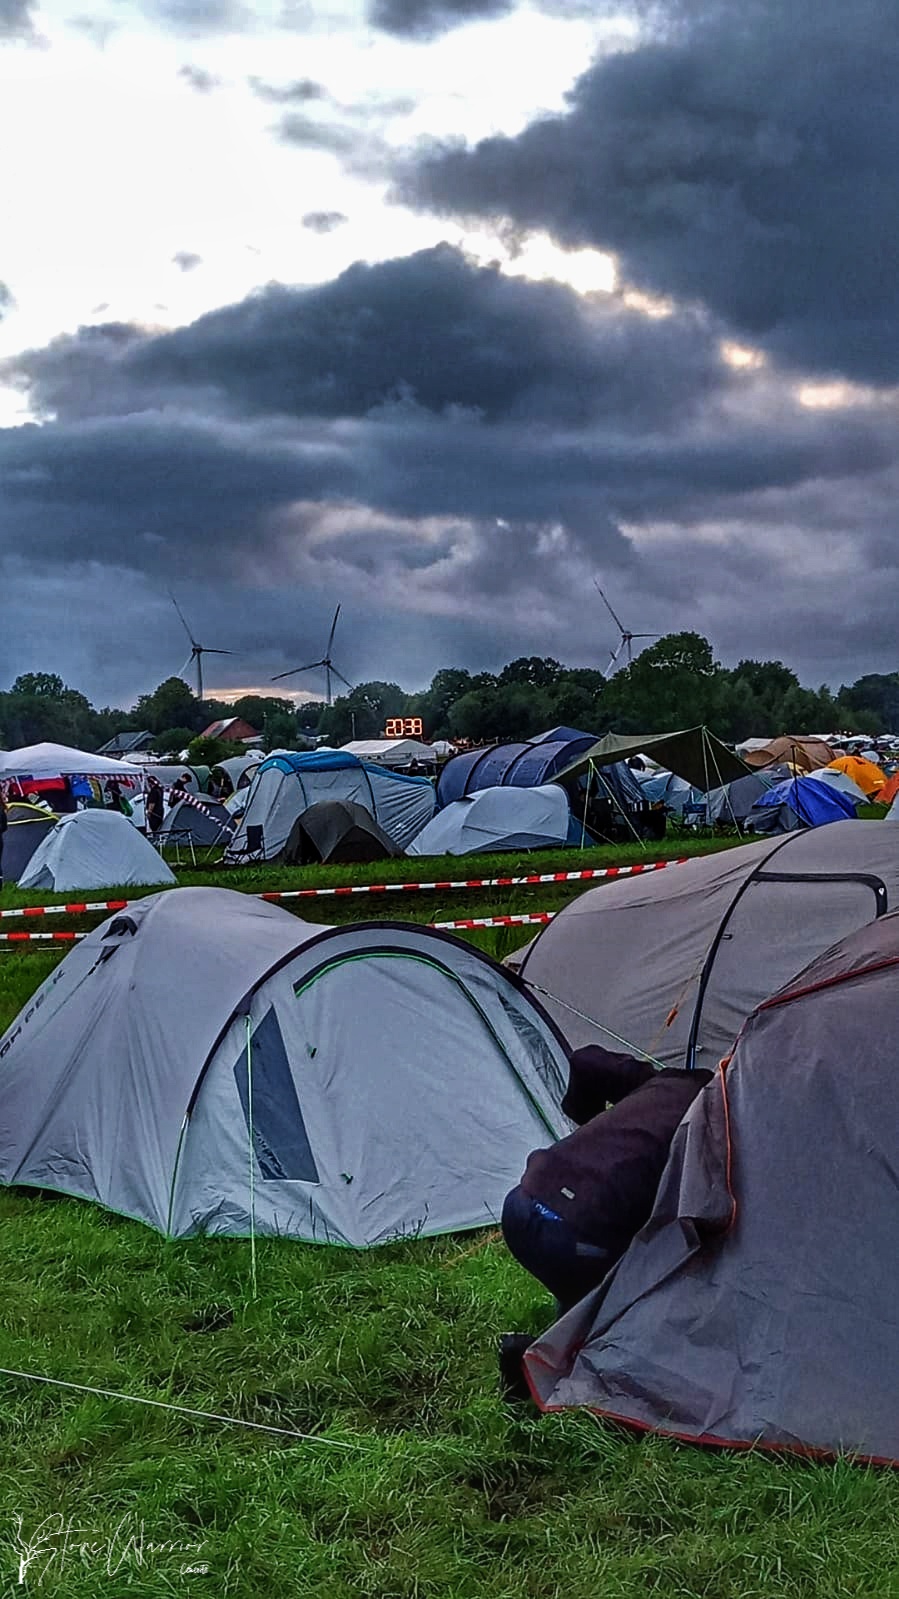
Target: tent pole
[[251, 1155], [616, 801], [586, 802]]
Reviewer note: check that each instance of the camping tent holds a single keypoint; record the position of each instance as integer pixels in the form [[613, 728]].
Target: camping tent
[[59, 760], [94, 849], [805, 754], [398, 753], [868, 776], [839, 781], [694, 754], [286, 785], [798, 802], [756, 1307], [206, 1062], [524, 765], [238, 770], [28, 826], [734, 801], [672, 962], [202, 824], [337, 830], [498, 819]]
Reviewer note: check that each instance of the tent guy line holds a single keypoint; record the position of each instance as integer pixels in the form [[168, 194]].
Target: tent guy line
[[587, 874]]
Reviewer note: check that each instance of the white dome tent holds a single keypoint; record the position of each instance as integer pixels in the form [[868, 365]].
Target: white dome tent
[[205, 1062], [94, 849]]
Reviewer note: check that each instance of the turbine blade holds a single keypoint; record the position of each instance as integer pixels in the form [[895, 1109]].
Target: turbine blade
[[342, 678], [294, 669], [183, 620], [205, 650], [608, 607], [186, 664], [332, 632], [644, 635]]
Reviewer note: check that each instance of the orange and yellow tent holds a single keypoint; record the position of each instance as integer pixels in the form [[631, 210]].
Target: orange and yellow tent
[[868, 776]]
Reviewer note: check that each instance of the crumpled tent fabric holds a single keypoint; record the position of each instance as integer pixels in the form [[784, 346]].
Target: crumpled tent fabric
[[207, 1063], [498, 819], [813, 804], [94, 849], [868, 777], [673, 962], [757, 1308], [285, 785], [337, 830], [694, 754]]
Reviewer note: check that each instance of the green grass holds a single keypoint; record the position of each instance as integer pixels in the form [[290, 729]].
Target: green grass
[[445, 1493]]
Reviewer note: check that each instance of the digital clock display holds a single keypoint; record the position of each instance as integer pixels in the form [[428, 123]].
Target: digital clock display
[[403, 727]]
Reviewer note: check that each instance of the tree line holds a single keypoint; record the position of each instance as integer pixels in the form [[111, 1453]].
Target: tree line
[[674, 683]]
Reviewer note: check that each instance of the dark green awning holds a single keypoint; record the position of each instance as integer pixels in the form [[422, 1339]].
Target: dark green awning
[[694, 754]]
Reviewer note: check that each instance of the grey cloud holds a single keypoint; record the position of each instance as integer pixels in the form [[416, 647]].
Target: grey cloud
[[324, 221], [186, 260], [742, 157], [425, 19], [17, 19], [7, 300], [297, 93], [315, 133], [198, 78], [430, 331]]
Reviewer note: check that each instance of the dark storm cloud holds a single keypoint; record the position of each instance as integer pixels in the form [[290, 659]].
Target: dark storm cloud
[[16, 19], [425, 19], [198, 78], [743, 156], [7, 300], [299, 92], [324, 221], [432, 332], [186, 260]]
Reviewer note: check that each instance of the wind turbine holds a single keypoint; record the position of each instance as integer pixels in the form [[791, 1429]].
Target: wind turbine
[[197, 651], [325, 661], [627, 636]]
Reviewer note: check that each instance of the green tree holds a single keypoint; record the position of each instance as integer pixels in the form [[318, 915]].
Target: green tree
[[539, 671], [173, 741], [675, 683], [172, 704], [363, 713]]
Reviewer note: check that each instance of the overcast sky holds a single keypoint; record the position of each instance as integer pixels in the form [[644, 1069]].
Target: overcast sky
[[445, 309]]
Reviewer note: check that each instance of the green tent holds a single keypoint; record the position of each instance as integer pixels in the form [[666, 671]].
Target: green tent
[[694, 754]]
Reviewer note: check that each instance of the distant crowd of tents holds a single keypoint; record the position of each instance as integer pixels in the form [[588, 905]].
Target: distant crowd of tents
[[563, 788]]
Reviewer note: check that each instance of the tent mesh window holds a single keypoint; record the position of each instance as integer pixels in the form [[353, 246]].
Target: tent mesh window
[[280, 1139]]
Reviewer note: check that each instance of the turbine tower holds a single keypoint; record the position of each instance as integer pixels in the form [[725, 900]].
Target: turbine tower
[[325, 661], [197, 651], [627, 637]]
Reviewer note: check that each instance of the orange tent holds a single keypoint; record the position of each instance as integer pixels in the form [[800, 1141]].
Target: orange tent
[[889, 791], [868, 776]]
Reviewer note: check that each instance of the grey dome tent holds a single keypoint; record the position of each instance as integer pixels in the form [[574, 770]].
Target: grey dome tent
[[204, 824], [674, 961], [388, 1079], [500, 819], [285, 785], [94, 849], [337, 830], [757, 1307]]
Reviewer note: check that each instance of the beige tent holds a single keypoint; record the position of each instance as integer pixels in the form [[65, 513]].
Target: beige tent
[[803, 754]]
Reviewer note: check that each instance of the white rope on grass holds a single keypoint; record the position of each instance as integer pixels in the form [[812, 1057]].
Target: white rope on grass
[[180, 1410]]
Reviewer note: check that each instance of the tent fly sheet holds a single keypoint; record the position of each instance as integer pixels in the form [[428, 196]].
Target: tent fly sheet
[[94, 849], [207, 1063], [285, 786], [499, 819]]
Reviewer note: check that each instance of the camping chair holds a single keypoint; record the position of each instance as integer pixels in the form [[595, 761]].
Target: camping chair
[[176, 841], [254, 849]]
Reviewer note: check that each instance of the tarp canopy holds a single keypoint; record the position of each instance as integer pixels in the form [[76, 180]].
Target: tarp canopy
[[207, 1063], [337, 830], [673, 962], [499, 819], [694, 754], [757, 1307], [59, 760], [94, 849]]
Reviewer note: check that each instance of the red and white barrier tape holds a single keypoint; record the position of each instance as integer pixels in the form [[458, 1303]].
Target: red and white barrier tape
[[588, 874], [471, 921]]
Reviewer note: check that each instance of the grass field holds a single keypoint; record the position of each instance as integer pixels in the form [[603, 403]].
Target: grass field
[[442, 1490]]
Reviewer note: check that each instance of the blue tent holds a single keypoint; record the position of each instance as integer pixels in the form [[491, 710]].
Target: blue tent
[[811, 803], [524, 765]]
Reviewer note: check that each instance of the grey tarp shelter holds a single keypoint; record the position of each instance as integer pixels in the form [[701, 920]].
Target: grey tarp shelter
[[674, 961], [757, 1307], [337, 830], [394, 1078], [694, 754]]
